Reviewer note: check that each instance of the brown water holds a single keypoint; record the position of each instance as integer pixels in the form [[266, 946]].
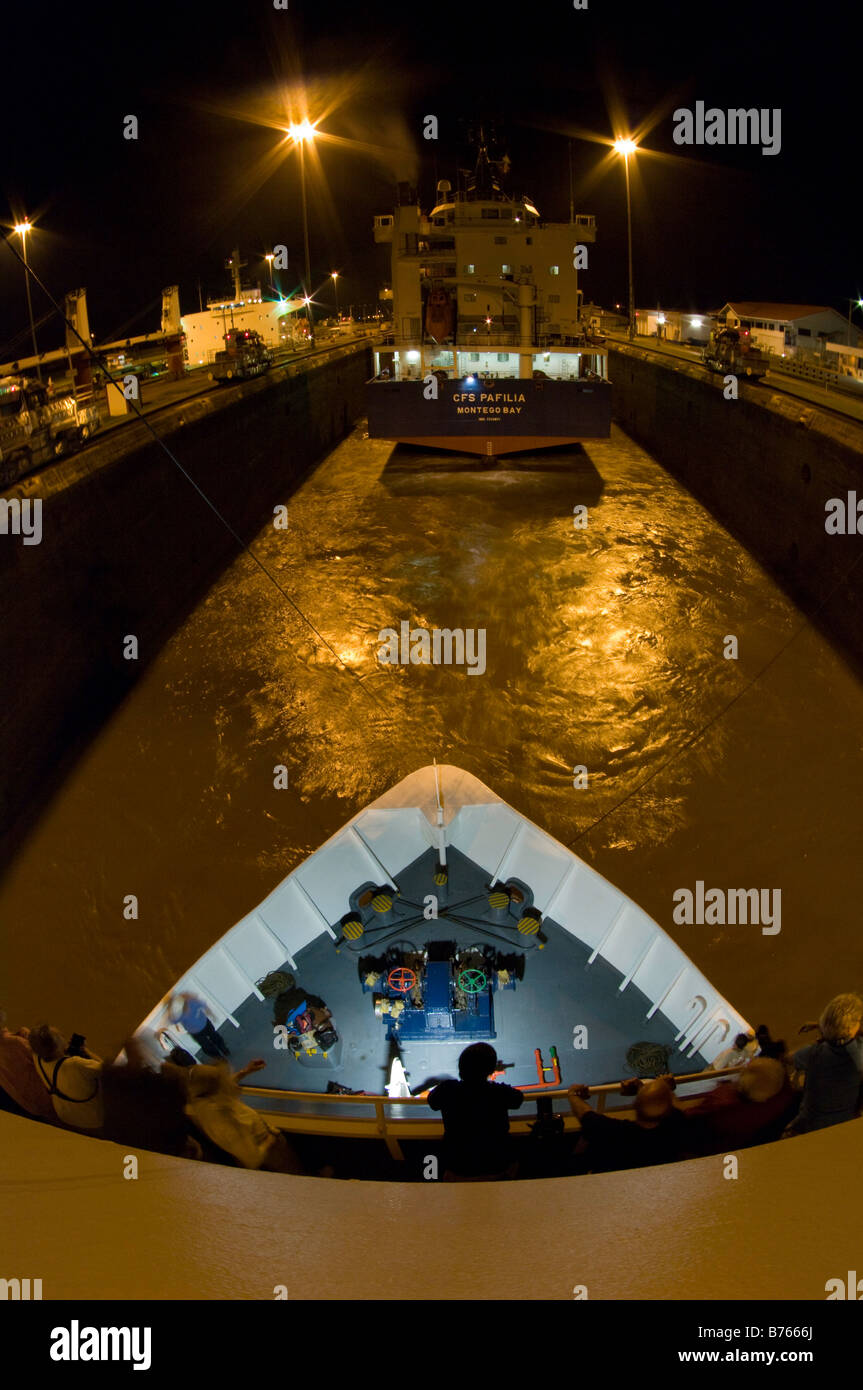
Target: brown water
[[605, 648]]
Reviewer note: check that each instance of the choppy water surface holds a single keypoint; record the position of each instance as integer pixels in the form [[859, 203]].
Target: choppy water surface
[[604, 648]]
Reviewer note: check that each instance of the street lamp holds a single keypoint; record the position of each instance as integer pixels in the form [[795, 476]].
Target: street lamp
[[22, 228], [269, 259], [852, 305], [627, 148], [334, 276], [300, 133]]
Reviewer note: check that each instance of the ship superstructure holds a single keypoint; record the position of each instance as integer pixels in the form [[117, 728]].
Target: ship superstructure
[[491, 351]]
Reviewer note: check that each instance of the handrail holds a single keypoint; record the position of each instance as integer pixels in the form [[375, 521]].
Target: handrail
[[369, 1097], [391, 1128]]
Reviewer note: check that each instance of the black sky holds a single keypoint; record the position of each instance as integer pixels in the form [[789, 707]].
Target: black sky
[[125, 217]]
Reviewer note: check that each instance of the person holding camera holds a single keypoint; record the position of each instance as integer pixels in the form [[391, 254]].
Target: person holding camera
[[71, 1075]]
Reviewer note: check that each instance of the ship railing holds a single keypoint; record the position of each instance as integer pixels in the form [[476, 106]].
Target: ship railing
[[418, 378], [479, 341], [371, 1116]]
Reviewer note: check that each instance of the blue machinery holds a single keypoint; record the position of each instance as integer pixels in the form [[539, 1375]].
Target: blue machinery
[[439, 992]]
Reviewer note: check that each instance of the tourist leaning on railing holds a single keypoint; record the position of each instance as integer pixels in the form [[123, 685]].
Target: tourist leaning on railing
[[71, 1075], [658, 1134], [833, 1067], [751, 1108], [18, 1075]]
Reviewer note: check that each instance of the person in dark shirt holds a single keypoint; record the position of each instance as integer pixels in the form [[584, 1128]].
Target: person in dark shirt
[[476, 1123], [833, 1067], [658, 1134], [145, 1109]]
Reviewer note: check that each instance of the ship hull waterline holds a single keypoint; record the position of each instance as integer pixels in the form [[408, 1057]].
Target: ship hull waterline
[[498, 418], [494, 446]]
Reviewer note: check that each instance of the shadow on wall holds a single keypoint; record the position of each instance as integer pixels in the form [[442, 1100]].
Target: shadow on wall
[[765, 465], [129, 547]]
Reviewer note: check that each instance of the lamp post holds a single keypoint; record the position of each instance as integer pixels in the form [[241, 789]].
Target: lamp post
[[269, 259], [852, 305], [626, 148], [300, 133], [22, 228], [334, 275]]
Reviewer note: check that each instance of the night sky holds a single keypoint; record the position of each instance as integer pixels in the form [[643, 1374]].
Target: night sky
[[210, 84]]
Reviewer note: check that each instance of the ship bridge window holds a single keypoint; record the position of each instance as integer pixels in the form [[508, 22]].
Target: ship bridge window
[[438, 221], [503, 357], [491, 212], [506, 214]]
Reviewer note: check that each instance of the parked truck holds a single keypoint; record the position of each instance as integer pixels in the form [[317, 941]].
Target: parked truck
[[37, 426], [245, 354], [732, 353]]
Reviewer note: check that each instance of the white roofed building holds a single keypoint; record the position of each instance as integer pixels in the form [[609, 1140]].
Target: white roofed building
[[788, 328]]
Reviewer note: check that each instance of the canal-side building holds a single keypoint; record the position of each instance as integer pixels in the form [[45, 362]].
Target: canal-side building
[[674, 325], [788, 328]]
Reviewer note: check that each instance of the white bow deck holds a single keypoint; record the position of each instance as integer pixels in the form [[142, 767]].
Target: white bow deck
[[388, 836]]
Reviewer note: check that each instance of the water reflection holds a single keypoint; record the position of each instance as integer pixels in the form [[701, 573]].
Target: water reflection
[[605, 649]]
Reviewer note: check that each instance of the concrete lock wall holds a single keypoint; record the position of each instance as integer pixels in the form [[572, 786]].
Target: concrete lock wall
[[765, 465], [128, 547]]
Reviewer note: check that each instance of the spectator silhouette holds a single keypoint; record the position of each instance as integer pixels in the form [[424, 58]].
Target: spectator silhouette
[[214, 1105], [191, 1013], [73, 1079], [145, 1109], [476, 1123], [658, 1134], [833, 1067], [752, 1108], [18, 1075]]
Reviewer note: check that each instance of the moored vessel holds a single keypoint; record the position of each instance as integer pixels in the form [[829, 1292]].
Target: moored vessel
[[492, 351]]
